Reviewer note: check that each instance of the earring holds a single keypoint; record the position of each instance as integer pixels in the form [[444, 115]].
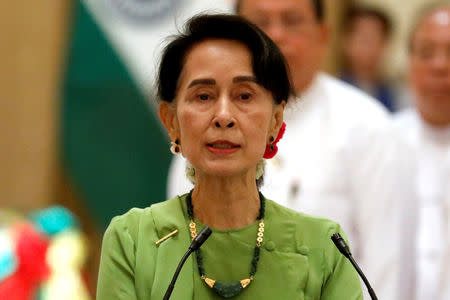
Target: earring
[[190, 172], [271, 139], [272, 148], [260, 168], [175, 148]]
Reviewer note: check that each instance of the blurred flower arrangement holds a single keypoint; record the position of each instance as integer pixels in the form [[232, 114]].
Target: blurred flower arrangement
[[42, 256]]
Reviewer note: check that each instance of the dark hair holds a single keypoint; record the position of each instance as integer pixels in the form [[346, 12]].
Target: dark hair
[[425, 12], [319, 9], [362, 12], [269, 66]]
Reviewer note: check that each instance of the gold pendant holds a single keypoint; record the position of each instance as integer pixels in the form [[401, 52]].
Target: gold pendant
[[245, 282], [210, 282]]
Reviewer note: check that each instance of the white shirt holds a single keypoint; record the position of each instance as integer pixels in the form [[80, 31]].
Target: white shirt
[[431, 236], [335, 160]]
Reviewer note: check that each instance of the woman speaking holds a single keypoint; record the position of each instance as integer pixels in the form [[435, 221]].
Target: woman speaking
[[223, 85]]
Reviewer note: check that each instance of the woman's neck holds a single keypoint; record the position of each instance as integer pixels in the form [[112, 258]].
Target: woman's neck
[[226, 202]]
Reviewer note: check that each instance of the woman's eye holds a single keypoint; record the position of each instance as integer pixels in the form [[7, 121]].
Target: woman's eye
[[203, 97], [245, 96]]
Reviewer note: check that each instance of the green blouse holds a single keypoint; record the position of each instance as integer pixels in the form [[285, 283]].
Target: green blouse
[[298, 260]]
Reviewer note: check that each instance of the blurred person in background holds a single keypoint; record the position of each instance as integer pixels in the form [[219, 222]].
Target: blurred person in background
[[337, 157], [366, 33], [426, 128]]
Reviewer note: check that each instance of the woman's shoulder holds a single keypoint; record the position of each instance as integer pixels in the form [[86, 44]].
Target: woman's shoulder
[[135, 213], [309, 230], [130, 222], [285, 214]]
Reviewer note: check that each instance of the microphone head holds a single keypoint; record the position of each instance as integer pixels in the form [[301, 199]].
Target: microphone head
[[198, 241], [336, 237], [341, 244]]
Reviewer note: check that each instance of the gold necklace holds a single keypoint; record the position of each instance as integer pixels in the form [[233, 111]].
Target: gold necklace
[[233, 289]]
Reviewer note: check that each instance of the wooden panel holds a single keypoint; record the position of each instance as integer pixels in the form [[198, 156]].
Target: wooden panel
[[33, 36]]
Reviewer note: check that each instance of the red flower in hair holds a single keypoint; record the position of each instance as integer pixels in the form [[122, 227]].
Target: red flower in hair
[[271, 151]]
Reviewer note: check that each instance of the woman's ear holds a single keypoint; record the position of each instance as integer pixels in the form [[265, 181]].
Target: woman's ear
[[277, 118], [168, 116]]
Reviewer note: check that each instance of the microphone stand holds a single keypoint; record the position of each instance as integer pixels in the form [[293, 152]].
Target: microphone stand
[[345, 250], [196, 243]]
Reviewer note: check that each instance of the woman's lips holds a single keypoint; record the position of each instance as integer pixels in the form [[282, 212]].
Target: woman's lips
[[222, 147]]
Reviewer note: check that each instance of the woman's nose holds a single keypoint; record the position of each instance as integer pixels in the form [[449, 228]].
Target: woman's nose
[[224, 114], [229, 125]]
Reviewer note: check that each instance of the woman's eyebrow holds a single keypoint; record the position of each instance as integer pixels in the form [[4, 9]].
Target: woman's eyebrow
[[244, 79], [210, 81], [207, 81]]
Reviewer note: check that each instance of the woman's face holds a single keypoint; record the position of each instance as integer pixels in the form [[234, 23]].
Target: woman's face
[[221, 116]]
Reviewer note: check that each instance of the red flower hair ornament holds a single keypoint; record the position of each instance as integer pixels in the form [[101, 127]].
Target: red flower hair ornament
[[272, 149]]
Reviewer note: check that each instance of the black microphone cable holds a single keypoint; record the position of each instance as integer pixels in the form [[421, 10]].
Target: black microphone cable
[[345, 250], [197, 242]]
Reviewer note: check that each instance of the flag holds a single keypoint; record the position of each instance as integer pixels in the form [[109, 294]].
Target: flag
[[114, 150]]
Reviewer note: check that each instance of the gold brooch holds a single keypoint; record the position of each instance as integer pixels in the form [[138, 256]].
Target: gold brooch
[[166, 237]]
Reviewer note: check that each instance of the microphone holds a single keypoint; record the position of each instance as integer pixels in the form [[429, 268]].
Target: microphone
[[345, 250], [196, 243]]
